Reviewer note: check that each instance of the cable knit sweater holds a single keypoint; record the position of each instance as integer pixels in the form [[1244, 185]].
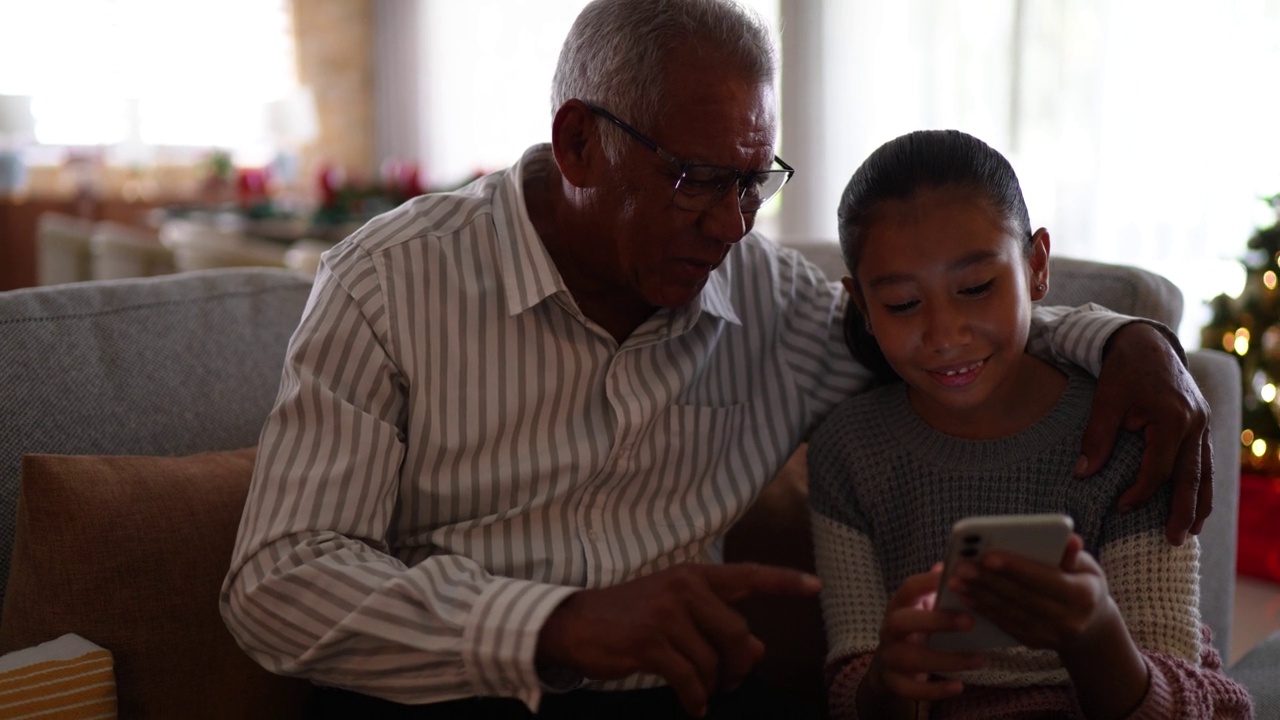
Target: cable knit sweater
[[885, 489]]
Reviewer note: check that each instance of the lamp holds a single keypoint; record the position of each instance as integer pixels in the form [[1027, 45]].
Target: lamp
[[292, 123], [135, 155], [17, 125], [130, 150]]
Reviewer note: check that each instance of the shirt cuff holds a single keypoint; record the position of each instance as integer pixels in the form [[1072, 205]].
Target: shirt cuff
[[1086, 335], [500, 639]]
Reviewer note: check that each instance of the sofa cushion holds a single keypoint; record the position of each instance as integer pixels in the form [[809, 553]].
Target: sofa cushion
[[130, 552]]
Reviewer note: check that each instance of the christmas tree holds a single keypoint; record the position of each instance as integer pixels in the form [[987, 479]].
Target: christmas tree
[[1248, 327]]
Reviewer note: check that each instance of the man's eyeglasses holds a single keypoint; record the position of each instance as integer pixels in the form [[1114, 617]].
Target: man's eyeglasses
[[700, 187]]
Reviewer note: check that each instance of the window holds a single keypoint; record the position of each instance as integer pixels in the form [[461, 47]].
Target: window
[[1142, 129], [487, 107], [136, 74]]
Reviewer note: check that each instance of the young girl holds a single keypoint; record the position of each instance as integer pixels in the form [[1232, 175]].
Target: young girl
[[943, 270]]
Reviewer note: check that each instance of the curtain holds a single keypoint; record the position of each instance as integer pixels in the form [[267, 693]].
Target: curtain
[[1149, 133], [1143, 131], [484, 90]]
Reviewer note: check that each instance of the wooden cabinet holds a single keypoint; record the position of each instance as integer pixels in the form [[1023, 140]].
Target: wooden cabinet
[[18, 218]]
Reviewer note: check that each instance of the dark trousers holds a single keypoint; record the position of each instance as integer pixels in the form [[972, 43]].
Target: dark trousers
[[752, 701]]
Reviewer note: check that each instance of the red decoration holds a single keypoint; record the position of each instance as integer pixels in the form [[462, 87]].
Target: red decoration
[[332, 180], [400, 179], [1258, 551], [251, 186]]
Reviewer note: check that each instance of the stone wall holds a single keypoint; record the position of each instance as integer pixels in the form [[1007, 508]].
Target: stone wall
[[335, 59]]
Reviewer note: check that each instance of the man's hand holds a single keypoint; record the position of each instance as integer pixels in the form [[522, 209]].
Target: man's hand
[[1144, 386], [676, 623]]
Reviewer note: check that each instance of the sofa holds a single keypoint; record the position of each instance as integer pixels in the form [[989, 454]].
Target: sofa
[[129, 411]]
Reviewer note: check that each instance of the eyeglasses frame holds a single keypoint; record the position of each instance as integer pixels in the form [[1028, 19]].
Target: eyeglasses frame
[[683, 167]]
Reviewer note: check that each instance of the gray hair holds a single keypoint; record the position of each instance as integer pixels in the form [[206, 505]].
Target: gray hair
[[615, 53]]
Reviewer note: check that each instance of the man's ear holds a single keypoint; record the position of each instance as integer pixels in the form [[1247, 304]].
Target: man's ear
[[575, 142], [1039, 263], [855, 294]]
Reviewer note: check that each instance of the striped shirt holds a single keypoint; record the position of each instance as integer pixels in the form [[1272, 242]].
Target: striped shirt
[[455, 447]]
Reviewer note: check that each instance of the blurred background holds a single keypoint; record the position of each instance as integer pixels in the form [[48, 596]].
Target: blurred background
[[1144, 131]]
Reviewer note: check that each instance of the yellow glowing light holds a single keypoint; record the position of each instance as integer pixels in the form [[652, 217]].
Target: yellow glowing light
[[1259, 447], [1241, 345], [1228, 341], [1269, 279], [1267, 393], [1246, 437]]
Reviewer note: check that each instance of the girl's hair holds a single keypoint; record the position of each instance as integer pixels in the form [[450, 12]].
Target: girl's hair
[[897, 170], [615, 54]]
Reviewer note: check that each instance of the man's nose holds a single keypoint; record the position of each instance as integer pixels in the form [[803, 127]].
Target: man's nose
[[724, 220]]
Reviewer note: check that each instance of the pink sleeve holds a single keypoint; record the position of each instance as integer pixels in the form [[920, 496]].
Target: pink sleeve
[[843, 678], [1179, 689]]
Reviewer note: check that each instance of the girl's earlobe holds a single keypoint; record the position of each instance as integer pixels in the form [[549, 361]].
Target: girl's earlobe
[[1040, 263]]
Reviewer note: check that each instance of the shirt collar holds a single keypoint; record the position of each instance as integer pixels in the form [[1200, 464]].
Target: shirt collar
[[715, 297], [529, 274]]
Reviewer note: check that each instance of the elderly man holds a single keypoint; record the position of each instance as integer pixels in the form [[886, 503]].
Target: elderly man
[[517, 419]]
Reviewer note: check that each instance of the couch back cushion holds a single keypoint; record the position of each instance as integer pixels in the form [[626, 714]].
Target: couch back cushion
[[171, 365], [1122, 288]]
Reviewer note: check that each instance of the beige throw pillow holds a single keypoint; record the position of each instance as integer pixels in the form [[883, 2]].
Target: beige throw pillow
[[130, 552]]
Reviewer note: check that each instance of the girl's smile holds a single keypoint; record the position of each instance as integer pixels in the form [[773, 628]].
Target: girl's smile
[[946, 288]]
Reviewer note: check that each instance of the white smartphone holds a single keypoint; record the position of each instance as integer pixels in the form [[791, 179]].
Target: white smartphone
[[1040, 537]]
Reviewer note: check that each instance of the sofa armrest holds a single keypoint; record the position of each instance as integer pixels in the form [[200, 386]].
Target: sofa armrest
[[1259, 671], [1217, 374]]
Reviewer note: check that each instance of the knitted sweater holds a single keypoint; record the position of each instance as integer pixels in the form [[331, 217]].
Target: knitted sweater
[[885, 488]]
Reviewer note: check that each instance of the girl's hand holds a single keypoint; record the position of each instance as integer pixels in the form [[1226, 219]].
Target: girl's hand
[[1061, 608], [904, 664], [1067, 609]]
